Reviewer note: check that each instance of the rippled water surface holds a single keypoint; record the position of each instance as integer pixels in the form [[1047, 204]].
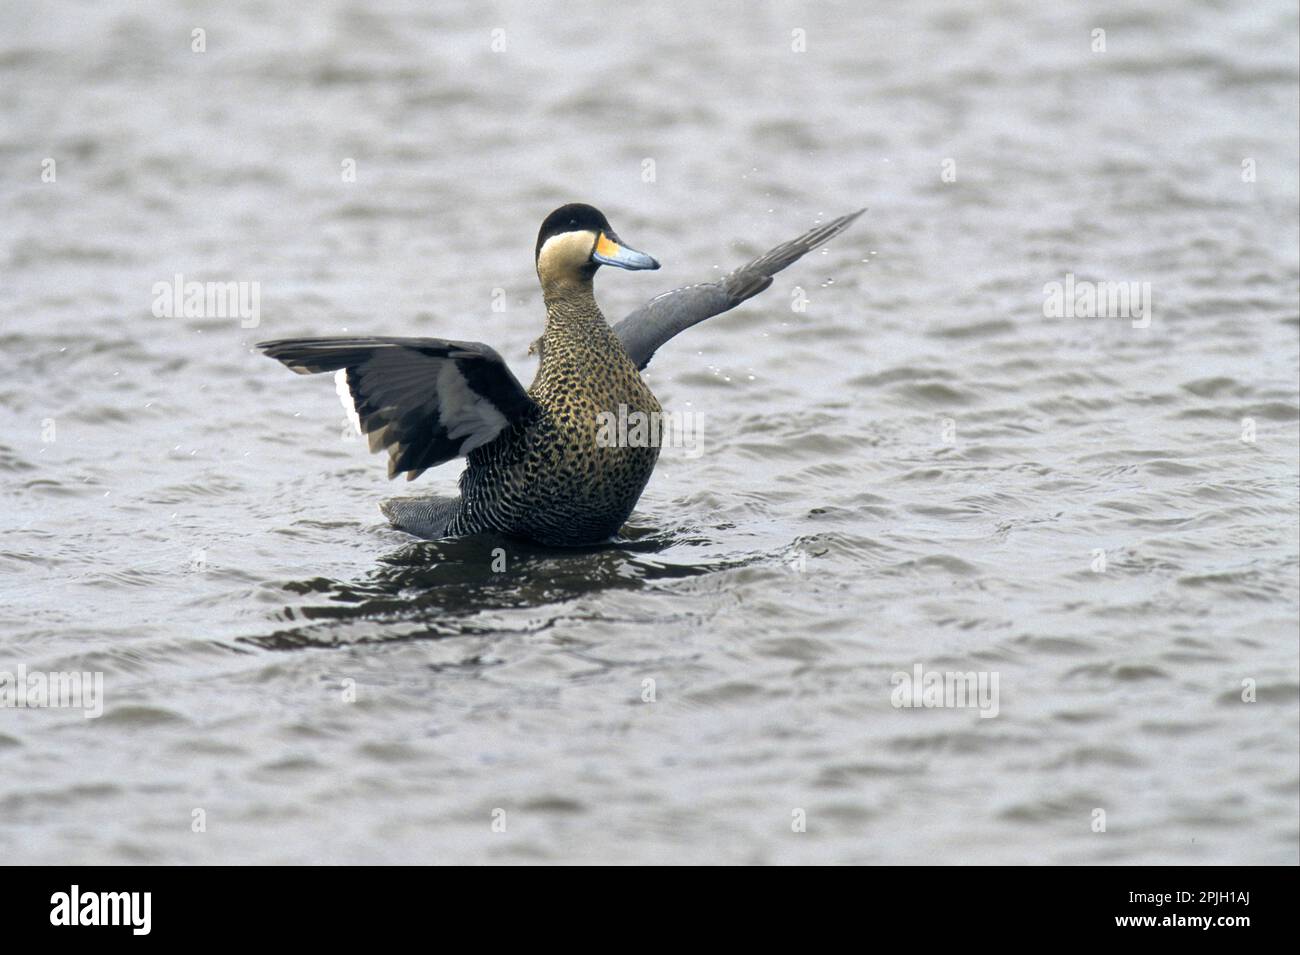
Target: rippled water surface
[[917, 468]]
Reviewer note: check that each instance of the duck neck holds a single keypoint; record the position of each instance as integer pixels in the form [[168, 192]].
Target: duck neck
[[571, 307]]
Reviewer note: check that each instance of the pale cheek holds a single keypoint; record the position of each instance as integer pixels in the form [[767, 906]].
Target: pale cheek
[[563, 254]]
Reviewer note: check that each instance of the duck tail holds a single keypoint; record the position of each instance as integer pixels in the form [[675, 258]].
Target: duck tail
[[427, 517]]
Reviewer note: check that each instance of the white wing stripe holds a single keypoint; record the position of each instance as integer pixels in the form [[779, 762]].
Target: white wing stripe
[[345, 396]]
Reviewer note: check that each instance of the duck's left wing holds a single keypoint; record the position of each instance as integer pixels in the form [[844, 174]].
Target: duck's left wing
[[426, 400], [659, 319]]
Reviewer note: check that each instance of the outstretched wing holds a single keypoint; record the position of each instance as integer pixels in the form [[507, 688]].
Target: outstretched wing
[[662, 317], [424, 399]]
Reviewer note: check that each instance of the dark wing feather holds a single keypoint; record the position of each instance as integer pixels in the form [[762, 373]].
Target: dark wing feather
[[426, 400], [646, 329]]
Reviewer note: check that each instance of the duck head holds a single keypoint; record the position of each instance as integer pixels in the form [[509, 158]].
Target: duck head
[[577, 239]]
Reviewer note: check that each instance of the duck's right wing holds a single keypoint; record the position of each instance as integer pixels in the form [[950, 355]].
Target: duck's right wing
[[426, 400], [659, 319]]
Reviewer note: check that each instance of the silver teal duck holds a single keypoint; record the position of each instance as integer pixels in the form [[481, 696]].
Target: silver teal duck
[[536, 464]]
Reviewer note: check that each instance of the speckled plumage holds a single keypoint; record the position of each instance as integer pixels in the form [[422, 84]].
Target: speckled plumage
[[548, 478]]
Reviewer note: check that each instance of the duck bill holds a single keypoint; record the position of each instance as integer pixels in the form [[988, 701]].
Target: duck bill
[[609, 251]]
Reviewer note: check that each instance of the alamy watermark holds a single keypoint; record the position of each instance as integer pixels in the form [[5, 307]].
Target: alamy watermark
[[1083, 299], [35, 689], [181, 299], [627, 428], [130, 909], [949, 690]]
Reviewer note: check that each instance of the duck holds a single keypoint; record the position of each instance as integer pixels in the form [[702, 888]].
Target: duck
[[536, 466]]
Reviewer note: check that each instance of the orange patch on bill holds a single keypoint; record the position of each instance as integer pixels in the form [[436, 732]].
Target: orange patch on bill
[[606, 247]]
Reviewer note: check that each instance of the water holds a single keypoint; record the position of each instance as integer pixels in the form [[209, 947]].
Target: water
[[919, 468]]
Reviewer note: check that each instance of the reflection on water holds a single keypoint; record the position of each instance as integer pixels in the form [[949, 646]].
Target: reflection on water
[[435, 589]]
